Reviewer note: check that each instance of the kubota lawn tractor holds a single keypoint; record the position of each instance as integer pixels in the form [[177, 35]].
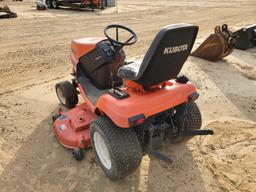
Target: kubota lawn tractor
[[129, 108]]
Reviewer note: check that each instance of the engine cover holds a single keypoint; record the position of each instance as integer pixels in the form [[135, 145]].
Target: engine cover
[[98, 64]]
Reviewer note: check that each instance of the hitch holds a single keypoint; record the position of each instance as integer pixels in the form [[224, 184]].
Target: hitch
[[161, 156], [196, 132], [157, 154]]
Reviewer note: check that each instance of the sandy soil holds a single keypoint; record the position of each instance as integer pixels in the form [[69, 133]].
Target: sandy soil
[[35, 55]]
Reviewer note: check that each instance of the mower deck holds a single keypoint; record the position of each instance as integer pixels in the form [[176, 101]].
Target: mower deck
[[72, 127]]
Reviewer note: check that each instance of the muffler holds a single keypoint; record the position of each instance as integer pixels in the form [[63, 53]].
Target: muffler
[[217, 45]]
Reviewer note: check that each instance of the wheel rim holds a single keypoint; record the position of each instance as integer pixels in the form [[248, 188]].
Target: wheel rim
[[102, 150], [61, 96]]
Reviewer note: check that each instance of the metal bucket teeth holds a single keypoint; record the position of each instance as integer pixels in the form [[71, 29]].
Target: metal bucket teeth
[[217, 45]]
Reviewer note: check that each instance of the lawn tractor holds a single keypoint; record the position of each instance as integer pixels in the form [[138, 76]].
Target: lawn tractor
[[129, 109]]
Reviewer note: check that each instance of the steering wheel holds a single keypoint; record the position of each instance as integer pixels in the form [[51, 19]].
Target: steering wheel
[[115, 42]]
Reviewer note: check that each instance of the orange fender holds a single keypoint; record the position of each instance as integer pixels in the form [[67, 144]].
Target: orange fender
[[148, 103]]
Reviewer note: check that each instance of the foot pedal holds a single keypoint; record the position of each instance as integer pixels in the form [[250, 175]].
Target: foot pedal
[[160, 156]]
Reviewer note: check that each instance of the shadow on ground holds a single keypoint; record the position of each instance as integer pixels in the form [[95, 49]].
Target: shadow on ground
[[42, 164], [235, 86]]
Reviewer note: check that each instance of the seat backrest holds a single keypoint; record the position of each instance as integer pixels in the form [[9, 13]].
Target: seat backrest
[[167, 54]]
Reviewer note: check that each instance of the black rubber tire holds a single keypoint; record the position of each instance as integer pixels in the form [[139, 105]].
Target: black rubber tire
[[193, 121], [103, 4], [55, 4], [78, 154], [12, 15], [123, 147], [48, 4], [68, 92]]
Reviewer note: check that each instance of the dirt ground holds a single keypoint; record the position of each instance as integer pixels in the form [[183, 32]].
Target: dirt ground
[[34, 55]]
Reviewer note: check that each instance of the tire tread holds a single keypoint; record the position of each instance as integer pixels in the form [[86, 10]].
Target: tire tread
[[124, 146]]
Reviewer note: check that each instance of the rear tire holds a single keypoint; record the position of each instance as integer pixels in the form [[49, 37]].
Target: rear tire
[[49, 4], [67, 94], [117, 150], [103, 4], [55, 4], [192, 121]]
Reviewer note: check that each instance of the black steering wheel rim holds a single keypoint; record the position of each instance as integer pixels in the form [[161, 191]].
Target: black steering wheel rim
[[113, 41]]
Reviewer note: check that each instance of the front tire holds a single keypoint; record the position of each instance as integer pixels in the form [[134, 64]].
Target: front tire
[[117, 150], [67, 94]]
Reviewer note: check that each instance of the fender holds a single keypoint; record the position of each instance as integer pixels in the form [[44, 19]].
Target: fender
[[148, 104]]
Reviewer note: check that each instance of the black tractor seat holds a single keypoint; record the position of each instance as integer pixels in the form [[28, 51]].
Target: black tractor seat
[[165, 57]]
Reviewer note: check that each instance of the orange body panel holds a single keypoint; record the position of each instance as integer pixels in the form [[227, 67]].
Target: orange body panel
[[148, 103], [80, 47]]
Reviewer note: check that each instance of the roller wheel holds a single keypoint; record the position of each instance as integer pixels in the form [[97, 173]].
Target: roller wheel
[[117, 150], [78, 154], [67, 94], [192, 121]]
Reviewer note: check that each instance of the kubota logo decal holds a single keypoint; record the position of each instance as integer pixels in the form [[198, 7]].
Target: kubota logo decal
[[175, 49]]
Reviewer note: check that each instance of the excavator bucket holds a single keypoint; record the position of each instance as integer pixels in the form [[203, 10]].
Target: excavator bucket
[[5, 12], [246, 37], [217, 45]]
